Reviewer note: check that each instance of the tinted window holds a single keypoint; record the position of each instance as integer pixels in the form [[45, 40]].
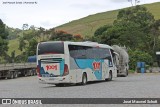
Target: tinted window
[[77, 52], [54, 48], [97, 53], [85, 52]]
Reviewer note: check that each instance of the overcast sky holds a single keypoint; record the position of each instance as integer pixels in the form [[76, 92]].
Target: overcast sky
[[51, 13]]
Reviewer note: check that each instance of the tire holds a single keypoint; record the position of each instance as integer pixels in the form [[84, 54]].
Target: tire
[[110, 76], [34, 73], [84, 79], [25, 73], [15, 74], [126, 73], [30, 73], [11, 75]]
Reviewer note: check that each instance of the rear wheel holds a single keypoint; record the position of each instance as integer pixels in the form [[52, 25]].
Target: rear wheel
[[84, 79]]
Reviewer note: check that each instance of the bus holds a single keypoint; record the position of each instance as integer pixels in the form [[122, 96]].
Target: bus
[[64, 62]]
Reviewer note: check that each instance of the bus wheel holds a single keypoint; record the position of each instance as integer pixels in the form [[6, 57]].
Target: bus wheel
[[110, 76], [84, 79]]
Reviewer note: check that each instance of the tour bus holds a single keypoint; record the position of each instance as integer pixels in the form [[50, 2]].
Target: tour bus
[[61, 62]]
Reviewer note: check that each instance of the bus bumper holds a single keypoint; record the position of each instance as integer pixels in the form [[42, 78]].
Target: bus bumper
[[54, 80]]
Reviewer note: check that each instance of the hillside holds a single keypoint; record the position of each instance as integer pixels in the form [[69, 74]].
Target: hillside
[[87, 25]]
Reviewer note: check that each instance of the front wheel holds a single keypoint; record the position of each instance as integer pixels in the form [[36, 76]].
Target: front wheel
[[84, 79]]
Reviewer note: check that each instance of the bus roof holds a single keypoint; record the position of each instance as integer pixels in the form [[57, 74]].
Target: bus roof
[[86, 43]]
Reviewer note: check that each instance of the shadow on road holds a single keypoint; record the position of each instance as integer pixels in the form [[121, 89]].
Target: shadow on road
[[75, 85]]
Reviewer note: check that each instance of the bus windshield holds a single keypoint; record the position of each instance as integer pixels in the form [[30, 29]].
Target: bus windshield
[[51, 48]]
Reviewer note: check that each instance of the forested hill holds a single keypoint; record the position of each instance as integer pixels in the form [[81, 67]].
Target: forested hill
[[86, 26]]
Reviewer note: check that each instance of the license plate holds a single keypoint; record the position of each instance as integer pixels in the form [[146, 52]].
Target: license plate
[[45, 75], [51, 78]]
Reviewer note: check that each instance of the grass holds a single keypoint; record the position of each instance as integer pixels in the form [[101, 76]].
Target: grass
[[13, 45], [87, 25]]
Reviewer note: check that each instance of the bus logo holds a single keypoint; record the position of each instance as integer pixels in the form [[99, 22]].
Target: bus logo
[[51, 67], [96, 66]]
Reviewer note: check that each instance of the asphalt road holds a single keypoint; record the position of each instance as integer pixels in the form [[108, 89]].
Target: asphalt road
[[134, 86]]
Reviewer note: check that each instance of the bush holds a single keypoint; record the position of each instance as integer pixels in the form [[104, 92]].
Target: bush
[[139, 56]]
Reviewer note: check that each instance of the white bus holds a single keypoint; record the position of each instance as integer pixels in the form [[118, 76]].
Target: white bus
[[61, 62]]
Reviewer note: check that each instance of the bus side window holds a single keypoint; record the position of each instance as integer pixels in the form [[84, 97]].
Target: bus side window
[[77, 52]]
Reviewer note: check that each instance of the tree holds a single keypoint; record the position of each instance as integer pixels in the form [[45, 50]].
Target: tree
[[139, 56], [31, 49], [61, 36], [22, 44], [25, 26], [102, 29], [41, 32], [138, 15], [13, 56], [135, 2], [78, 37], [99, 32], [137, 29], [134, 27], [3, 39]]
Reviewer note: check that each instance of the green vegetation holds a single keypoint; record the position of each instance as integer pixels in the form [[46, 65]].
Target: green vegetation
[[3, 39], [137, 33], [139, 56], [87, 25], [13, 45], [135, 28], [26, 42]]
